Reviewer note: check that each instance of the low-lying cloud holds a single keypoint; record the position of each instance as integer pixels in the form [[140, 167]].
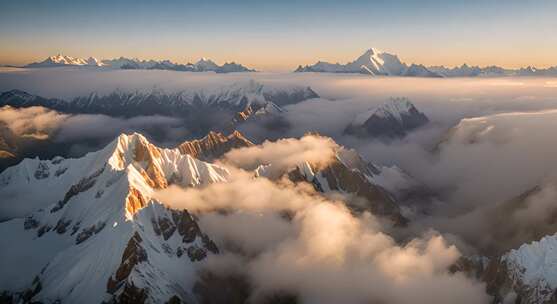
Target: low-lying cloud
[[33, 121], [85, 132], [284, 154], [287, 239], [503, 144], [321, 253]]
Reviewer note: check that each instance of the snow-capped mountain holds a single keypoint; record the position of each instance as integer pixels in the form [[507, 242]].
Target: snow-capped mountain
[[236, 97], [525, 275], [350, 173], [102, 237], [383, 188], [62, 60], [520, 266], [532, 270], [206, 64], [392, 119], [373, 62], [203, 65], [376, 62]]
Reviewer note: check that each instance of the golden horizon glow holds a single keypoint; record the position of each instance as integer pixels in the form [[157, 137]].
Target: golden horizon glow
[[288, 60], [279, 36]]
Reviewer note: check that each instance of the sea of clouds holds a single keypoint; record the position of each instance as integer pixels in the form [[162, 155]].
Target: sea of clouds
[[489, 140]]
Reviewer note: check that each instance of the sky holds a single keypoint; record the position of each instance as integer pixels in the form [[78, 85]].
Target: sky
[[280, 35]]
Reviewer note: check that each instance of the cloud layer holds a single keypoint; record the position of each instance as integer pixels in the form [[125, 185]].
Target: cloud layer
[[288, 239]]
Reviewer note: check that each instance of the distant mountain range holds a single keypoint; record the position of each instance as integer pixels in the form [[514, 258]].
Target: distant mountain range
[[234, 98], [203, 65], [197, 110], [373, 62], [476, 71], [378, 63]]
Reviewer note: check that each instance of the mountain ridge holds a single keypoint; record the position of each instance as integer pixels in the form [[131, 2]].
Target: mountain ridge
[[99, 217], [237, 97], [378, 63], [202, 65]]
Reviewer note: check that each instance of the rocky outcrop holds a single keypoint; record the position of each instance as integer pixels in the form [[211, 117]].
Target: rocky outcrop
[[88, 232], [134, 201], [341, 178], [214, 145], [83, 185], [132, 256], [351, 179], [147, 154]]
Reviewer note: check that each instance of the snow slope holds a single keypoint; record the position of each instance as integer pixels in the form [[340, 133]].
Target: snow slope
[[392, 119], [95, 216], [533, 269], [103, 238]]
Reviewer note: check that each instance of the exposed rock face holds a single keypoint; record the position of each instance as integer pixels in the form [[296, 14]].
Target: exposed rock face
[[83, 185], [532, 271], [149, 155], [393, 119], [243, 115], [350, 174], [88, 232], [134, 201], [214, 145], [181, 240], [132, 256]]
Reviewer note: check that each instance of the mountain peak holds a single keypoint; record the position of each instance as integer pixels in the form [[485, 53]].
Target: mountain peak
[[395, 106], [372, 61], [127, 148], [205, 63], [393, 118], [372, 51]]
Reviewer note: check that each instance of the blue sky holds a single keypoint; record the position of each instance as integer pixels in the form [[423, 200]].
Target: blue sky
[[278, 35]]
